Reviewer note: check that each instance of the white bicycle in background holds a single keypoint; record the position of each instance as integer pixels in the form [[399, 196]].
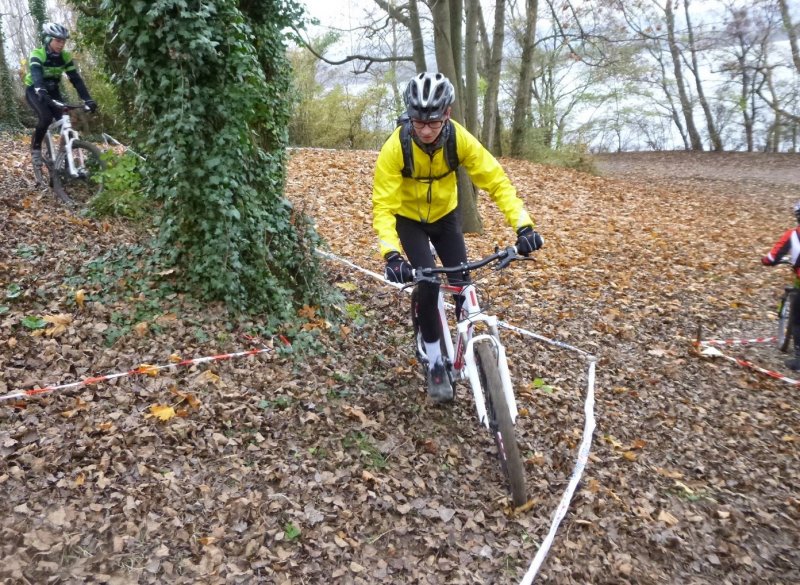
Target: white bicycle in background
[[73, 166], [480, 358]]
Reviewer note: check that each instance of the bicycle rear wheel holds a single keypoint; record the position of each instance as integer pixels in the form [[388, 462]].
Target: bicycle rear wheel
[[88, 166], [500, 424], [785, 322]]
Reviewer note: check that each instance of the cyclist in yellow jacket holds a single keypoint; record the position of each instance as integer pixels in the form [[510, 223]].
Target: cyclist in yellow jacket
[[412, 206]]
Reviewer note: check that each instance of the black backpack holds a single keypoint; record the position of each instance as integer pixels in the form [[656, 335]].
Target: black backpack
[[450, 149]]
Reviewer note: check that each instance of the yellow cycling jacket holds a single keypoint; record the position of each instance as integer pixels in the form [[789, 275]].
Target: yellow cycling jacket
[[426, 201]]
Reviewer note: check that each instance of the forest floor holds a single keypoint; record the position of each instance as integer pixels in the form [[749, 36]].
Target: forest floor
[[329, 464]]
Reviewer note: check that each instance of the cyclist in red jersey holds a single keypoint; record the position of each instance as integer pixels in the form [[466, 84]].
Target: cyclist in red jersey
[[789, 246]]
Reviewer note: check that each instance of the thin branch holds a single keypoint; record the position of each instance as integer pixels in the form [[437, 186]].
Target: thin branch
[[368, 60]]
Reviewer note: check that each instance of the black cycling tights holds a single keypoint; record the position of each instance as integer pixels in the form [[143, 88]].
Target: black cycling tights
[[448, 240], [44, 112]]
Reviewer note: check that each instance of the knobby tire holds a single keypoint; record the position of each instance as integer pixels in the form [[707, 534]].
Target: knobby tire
[[785, 322], [500, 424], [79, 189]]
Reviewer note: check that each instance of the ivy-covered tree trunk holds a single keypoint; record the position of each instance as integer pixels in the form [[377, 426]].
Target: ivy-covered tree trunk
[[9, 115], [38, 12], [213, 78]]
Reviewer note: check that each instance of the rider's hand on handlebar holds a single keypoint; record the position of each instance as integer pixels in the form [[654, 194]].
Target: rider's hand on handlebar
[[528, 240], [42, 94], [91, 105], [397, 269]]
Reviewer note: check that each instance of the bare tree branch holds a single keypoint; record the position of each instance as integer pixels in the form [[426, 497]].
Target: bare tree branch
[[368, 60]]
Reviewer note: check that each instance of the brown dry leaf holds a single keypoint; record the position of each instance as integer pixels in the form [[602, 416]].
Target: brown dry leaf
[[80, 297], [187, 397], [667, 518], [147, 370], [79, 480], [59, 322], [669, 473], [629, 455], [174, 358], [141, 328], [166, 319], [356, 413], [162, 412], [209, 377], [79, 405], [307, 312]]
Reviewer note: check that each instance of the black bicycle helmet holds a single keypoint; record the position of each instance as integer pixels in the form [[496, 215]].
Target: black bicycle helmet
[[797, 211], [428, 95]]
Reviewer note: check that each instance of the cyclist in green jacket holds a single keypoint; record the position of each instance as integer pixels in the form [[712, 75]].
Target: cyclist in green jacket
[[46, 65], [411, 208]]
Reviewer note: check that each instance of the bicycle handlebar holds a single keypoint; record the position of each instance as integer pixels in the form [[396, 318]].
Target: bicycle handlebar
[[64, 106], [506, 256]]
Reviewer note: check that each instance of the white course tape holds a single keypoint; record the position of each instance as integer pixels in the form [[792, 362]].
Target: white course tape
[[577, 472], [588, 428]]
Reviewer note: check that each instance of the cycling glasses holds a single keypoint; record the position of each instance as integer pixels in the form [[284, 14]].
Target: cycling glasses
[[432, 124]]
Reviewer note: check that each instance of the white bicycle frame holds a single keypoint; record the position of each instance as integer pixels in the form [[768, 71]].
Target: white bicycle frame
[[465, 348], [68, 135]]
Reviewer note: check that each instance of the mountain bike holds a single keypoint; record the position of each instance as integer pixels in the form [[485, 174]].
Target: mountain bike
[[74, 166], [784, 336], [479, 358]]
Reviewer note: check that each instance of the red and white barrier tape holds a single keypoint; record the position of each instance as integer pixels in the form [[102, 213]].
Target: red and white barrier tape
[[705, 347], [739, 341], [144, 369], [588, 428]]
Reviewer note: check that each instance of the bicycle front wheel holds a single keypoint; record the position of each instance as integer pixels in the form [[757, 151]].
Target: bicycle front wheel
[[785, 322], [500, 424], [86, 183]]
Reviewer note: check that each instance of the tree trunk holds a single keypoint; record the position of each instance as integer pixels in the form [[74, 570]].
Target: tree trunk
[[456, 44], [9, 115], [243, 245], [493, 77], [471, 67], [713, 134], [417, 42], [39, 14], [791, 32], [522, 102], [446, 61], [686, 106]]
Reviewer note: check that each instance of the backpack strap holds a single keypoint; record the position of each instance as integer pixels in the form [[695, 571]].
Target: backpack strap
[[450, 150], [405, 143]]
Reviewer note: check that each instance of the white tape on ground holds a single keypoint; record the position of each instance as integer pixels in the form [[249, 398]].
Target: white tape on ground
[[586, 439], [577, 472]]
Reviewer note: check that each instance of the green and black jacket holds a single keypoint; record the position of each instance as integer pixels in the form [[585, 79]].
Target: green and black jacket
[[45, 70]]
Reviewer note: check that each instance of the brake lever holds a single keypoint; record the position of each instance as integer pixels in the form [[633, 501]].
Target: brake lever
[[511, 255]]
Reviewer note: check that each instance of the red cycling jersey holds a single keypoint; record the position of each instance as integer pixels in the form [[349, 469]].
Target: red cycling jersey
[[788, 245]]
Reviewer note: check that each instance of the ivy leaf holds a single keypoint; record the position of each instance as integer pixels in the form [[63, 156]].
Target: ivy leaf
[[291, 532], [13, 291], [32, 322]]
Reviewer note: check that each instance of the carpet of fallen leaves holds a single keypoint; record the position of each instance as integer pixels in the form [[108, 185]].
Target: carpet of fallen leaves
[[334, 467]]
